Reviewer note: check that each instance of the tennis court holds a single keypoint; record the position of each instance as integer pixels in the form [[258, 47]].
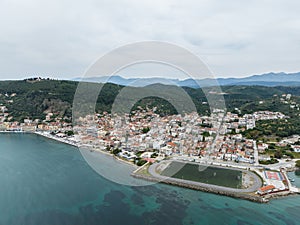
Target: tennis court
[[271, 175]]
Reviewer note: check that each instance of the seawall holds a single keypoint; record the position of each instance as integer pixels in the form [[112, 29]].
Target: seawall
[[204, 189]]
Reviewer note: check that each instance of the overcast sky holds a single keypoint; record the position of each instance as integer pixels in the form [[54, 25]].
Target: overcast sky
[[61, 38]]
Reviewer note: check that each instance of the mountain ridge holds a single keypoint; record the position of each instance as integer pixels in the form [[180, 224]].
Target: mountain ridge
[[268, 79]]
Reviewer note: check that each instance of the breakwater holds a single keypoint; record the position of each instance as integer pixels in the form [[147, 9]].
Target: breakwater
[[245, 196]]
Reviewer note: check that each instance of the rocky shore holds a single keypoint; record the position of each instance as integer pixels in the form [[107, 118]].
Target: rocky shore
[[142, 173], [245, 196]]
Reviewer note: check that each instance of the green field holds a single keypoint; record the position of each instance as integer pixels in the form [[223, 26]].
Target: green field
[[209, 175]]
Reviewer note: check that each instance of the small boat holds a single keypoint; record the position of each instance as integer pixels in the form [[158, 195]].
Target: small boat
[[291, 179]]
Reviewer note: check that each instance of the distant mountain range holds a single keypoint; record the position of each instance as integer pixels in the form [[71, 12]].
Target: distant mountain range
[[268, 79]]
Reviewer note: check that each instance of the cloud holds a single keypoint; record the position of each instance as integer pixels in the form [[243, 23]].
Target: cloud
[[62, 38]]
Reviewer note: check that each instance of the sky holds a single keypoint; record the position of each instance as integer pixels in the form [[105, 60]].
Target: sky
[[62, 38]]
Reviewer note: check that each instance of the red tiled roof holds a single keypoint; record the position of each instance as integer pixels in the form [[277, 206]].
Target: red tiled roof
[[267, 188], [172, 144]]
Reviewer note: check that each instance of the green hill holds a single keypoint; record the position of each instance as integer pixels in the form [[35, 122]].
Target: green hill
[[30, 98]]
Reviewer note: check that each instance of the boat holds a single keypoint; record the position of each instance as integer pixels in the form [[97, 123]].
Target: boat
[[291, 179]]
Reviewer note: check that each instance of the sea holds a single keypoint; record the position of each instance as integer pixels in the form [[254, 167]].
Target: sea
[[45, 182]]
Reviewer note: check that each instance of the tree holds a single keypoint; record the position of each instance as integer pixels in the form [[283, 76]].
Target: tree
[[145, 130], [116, 151], [298, 163], [69, 133], [278, 154], [272, 146], [154, 155], [141, 162], [205, 134]]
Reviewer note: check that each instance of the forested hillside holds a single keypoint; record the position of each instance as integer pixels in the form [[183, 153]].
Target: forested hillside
[[34, 98]]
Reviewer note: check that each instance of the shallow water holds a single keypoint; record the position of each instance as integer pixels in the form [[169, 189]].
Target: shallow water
[[46, 182]]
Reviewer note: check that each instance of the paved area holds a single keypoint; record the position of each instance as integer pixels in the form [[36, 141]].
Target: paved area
[[255, 154]]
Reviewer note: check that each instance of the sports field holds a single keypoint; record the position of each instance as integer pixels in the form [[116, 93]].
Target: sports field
[[209, 175], [272, 175]]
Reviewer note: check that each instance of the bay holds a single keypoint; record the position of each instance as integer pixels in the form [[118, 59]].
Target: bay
[[44, 182]]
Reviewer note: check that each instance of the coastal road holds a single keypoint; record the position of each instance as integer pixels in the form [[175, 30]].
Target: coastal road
[[255, 153]]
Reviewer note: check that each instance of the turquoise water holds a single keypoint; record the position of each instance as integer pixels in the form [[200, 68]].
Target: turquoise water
[[43, 182]]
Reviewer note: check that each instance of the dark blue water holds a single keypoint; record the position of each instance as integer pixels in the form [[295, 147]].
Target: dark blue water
[[46, 182]]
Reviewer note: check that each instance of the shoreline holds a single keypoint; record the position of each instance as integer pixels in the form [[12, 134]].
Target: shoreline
[[203, 189], [151, 178], [79, 146], [249, 195], [49, 136], [242, 193], [243, 196]]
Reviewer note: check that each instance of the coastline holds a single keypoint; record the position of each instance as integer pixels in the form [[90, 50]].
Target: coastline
[[49, 136], [203, 189], [72, 143], [246, 194], [146, 172], [79, 146], [151, 178]]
